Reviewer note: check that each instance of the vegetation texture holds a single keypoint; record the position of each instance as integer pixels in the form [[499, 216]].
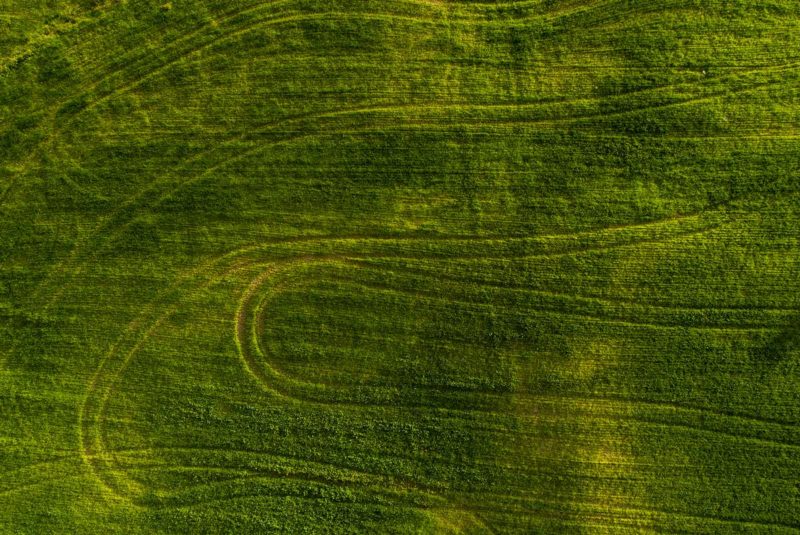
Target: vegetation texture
[[400, 266]]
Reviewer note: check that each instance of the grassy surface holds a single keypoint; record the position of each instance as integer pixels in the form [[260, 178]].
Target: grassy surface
[[408, 266]]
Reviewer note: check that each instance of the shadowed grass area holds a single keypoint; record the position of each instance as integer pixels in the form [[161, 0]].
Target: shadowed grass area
[[409, 266]]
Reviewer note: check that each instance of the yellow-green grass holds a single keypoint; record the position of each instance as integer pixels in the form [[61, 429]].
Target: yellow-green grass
[[409, 266]]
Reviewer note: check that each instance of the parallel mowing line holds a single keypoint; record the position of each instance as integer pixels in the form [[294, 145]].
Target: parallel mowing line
[[567, 248], [580, 505], [48, 480], [702, 410], [90, 453], [55, 296], [616, 415], [612, 412], [103, 225], [34, 471], [260, 455], [127, 63], [55, 460], [221, 19], [282, 474], [430, 275], [261, 23], [430, 509], [709, 84], [586, 300], [431, 296], [242, 335], [217, 19], [131, 355], [599, 511], [470, 509], [263, 455], [252, 151], [138, 81], [389, 240], [697, 428], [252, 363], [396, 480], [646, 511], [88, 445], [57, 129], [580, 402], [622, 416], [688, 84], [359, 110], [217, 39]]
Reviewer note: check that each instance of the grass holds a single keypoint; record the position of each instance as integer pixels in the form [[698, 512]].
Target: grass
[[410, 266]]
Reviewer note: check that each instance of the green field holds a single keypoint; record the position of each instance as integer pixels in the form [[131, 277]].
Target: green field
[[400, 266]]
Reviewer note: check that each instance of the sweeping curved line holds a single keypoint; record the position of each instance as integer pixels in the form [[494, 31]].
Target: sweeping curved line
[[291, 251]]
